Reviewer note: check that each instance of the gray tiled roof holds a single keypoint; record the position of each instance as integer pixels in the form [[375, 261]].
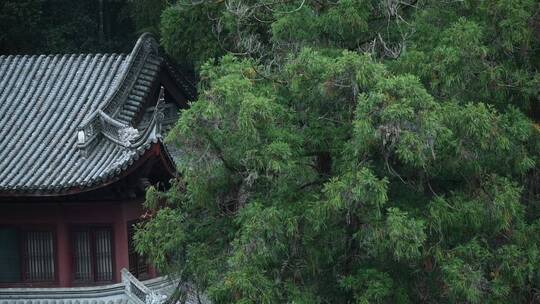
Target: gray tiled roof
[[48, 102]]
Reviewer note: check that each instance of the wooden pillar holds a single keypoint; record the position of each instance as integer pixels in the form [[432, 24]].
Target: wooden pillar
[[63, 249], [120, 242]]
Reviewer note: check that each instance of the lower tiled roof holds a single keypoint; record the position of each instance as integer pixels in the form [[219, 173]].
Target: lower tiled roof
[[120, 293]]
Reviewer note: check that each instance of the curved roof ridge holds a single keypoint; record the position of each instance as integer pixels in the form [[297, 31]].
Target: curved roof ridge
[[92, 126], [146, 45]]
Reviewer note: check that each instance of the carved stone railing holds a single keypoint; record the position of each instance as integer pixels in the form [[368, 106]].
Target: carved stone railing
[[138, 292], [134, 289], [129, 291]]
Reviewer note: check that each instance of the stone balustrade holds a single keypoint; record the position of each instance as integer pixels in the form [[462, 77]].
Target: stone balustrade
[[129, 291]]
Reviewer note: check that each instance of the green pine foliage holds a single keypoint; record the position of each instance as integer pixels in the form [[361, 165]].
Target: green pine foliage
[[354, 151]]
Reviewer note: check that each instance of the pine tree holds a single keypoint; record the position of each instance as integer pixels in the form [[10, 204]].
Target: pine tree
[[354, 152]]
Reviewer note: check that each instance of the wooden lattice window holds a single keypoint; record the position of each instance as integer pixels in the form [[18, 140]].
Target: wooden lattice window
[[27, 255], [92, 254], [39, 256]]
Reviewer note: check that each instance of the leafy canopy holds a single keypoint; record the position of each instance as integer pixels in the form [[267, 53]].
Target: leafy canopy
[[354, 152]]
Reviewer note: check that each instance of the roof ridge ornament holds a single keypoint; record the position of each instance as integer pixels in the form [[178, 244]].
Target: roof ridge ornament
[[127, 135], [120, 133]]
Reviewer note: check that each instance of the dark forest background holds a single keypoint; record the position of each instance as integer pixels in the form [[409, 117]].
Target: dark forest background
[[67, 26]]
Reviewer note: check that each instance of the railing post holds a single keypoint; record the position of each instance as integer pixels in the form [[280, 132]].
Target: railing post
[[139, 293]]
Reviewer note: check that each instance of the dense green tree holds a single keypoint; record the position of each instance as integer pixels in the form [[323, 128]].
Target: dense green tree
[[355, 152], [146, 14]]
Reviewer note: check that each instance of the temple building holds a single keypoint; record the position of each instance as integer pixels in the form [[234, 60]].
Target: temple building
[[81, 138]]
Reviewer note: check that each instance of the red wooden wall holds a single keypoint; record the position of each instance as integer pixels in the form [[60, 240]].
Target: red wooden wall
[[63, 216]]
